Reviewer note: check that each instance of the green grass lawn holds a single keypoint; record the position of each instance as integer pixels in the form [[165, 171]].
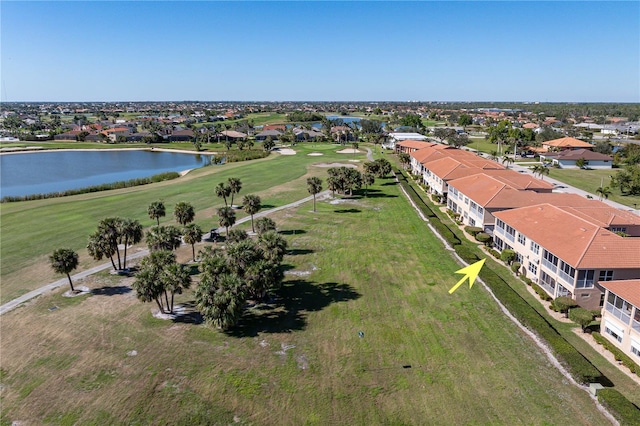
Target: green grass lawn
[[590, 180], [31, 230], [365, 265]]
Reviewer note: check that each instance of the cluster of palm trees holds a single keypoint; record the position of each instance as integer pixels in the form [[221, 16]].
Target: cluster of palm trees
[[245, 269], [540, 170]]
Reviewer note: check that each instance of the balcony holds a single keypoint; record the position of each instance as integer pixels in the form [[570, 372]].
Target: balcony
[[618, 313], [568, 279], [635, 325], [550, 266]]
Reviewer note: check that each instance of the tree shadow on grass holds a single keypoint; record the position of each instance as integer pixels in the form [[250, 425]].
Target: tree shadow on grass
[[298, 252], [347, 211], [292, 232], [288, 311], [188, 314], [111, 291], [389, 183]]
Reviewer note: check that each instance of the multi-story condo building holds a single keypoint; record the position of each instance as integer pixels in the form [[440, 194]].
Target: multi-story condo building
[[621, 316]]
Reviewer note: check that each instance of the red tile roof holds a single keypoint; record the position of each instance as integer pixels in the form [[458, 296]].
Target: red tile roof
[[567, 142], [629, 290], [577, 241], [409, 143]]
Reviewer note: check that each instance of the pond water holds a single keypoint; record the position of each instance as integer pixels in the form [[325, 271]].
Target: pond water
[[53, 171]]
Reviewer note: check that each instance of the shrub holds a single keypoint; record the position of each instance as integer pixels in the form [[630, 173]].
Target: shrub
[[508, 256], [472, 230], [494, 253], [617, 353], [515, 267], [526, 280], [484, 238], [619, 406], [436, 198], [543, 294], [581, 316], [562, 304]]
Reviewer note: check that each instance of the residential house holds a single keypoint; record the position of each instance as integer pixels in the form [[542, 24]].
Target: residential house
[[233, 135], [185, 135], [408, 146], [567, 159], [265, 134], [621, 316], [303, 135], [566, 143], [565, 252]]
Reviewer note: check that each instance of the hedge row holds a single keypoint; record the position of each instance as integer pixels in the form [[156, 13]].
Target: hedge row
[[578, 366], [617, 353], [96, 188], [620, 407]]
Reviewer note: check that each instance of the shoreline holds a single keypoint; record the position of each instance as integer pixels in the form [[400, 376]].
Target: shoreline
[[33, 150]]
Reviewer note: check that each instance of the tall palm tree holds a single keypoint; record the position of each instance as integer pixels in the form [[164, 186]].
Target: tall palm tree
[[175, 278], [235, 186], [184, 213], [603, 192], [223, 191], [221, 299], [251, 205], [99, 247], [507, 160], [314, 186], [130, 233], [109, 230], [63, 261], [149, 284], [265, 224], [227, 217], [405, 159], [192, 234], [156, 210], [367, 179]]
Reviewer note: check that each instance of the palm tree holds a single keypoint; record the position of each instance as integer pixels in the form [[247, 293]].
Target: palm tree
[[227, 217], [184, 213], [235, 185], [507, 160], [192, 234], [367, 179], [156, 210], [314, 186], [63, 261], [540, 170], [265, 224], [148, 283], [273, 245], [268, 144], [223, 191], [603, 192], [130, 233], [175, 278], [251, 206], [405, 159], [163, 238], [109, 230], [221, 299], [98, 247]]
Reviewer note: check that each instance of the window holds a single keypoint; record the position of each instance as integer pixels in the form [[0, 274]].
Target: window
[[613, 333], [466, 200], [585, 279], [619, 307], [533, 268], [472, 222], [550, 258], [567, 269], [499, 224], [635, 347], [510, 231], [480, 210], [618, 229], [498, 243], [522, 239], [605, 276], [519, 258], [535, 247]]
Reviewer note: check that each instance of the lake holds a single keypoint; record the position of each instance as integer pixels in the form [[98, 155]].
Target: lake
[[53, 171]]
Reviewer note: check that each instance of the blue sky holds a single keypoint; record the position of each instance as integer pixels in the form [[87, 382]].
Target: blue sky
[[362, 51]]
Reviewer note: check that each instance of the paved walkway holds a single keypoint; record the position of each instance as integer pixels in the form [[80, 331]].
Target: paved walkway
[[64, 281]]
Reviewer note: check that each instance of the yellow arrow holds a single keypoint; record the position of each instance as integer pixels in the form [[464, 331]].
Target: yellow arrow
[[470, 272]]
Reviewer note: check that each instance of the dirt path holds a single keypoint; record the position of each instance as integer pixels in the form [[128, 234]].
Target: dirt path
[[63, 281]]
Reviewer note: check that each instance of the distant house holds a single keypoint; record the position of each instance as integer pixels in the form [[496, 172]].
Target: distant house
[[233, 135], [566, 143], [303, 135], [265, 134], [409, 146], [567, 159], [67, 136], [280, 127], [621, 315], [186, 135]]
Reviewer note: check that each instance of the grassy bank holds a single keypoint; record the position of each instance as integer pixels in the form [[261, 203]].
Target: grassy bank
[[365, 265]]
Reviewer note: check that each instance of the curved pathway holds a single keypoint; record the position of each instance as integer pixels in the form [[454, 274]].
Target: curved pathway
[[63, 281]]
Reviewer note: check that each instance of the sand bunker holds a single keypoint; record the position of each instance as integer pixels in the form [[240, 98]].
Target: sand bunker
[[315, 154], [348, 151], [286, 151], [335, 165]]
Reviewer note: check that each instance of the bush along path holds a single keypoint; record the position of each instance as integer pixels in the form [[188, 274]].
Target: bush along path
[[569, 361]]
